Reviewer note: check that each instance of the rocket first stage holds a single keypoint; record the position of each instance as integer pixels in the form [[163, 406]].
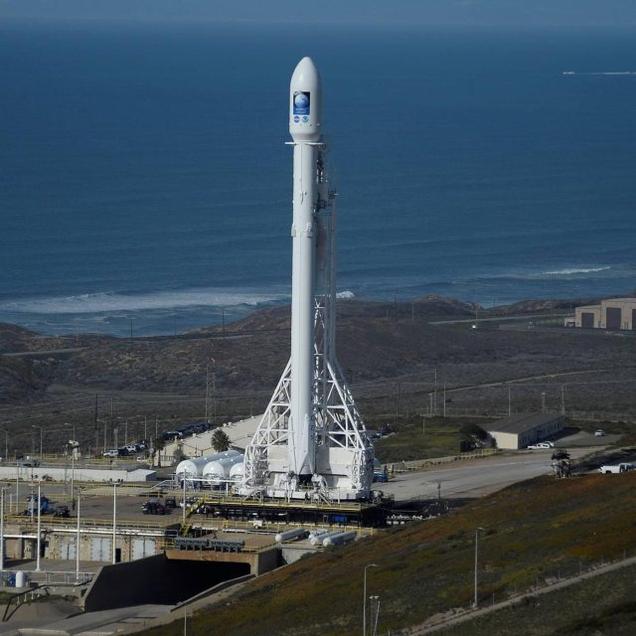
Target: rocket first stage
[[311, 442]]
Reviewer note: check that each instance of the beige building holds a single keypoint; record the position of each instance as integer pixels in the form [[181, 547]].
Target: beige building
[[519, 431], [614, 313]]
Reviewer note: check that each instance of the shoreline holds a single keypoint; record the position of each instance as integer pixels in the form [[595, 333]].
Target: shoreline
[[212, 319]]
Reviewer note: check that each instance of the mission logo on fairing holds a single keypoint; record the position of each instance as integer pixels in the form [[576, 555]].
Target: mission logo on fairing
[[301, 103]]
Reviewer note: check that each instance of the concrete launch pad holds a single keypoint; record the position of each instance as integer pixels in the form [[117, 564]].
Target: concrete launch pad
[[271, 510]]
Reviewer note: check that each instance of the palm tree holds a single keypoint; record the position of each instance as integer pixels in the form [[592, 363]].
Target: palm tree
[[220, 440]]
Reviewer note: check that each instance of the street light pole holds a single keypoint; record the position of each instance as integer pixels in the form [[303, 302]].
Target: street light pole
[[475, 602], [77, 539], [114, 521], [2, 530], [39, 538], [375, 615], [364, 597]]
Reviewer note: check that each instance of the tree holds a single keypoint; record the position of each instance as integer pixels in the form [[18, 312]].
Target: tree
[[220, 440]]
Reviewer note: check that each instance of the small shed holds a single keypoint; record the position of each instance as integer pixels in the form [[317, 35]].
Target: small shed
[[519, 431]]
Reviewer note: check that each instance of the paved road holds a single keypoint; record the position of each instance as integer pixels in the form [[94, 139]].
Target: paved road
[[473, 478]]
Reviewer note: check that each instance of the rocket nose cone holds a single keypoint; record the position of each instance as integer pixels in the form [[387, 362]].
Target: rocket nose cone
[[305, 75], [305, 102]]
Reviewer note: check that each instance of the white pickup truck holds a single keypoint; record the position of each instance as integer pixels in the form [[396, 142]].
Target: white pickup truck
[[616, 468]]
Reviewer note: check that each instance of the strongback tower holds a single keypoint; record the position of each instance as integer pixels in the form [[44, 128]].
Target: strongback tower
[[311, 442]]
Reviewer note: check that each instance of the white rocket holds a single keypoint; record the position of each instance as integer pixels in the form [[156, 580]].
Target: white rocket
[[305, 97], [311, 441]]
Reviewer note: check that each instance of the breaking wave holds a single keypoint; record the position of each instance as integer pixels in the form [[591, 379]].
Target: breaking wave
[[110, 301], [577, 270]]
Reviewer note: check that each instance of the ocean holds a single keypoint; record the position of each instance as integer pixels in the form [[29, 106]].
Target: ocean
[[145, 182]]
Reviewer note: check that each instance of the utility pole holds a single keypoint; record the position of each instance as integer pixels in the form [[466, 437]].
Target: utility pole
[[477, 530], [145, 429], [543, 402], [444, 396], [435, 394], [563, 399], [509, 401], [207, 391], [126, 432]]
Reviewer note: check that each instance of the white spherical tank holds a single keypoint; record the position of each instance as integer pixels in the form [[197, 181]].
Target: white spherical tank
[[193, 468], [190, 468], [237, 471], [219, 469]]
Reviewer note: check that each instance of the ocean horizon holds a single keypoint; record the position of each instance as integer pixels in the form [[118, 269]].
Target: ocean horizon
[[145, 175]]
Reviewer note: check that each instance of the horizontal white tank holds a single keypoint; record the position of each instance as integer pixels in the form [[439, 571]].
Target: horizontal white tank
[[219, 469], [289, 535], [316, 537], [237, 471], [339, 538], [193, 468]]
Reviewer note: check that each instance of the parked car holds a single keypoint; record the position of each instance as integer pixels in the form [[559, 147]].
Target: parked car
[[171, 502], [61, 511], [153, 508], [112, 452], [380, 476], [609, 469], [29, 462], [541, 446], [599, 432]]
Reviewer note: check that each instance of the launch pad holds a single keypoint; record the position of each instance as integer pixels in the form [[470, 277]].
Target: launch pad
[[295, 511]]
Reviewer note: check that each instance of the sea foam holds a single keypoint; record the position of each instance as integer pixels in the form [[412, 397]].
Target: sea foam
[[111, 301]]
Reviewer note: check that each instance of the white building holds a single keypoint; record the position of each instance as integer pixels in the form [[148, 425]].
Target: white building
[[519, 431]]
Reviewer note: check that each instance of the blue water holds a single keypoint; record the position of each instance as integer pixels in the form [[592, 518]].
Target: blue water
[[144, 176]]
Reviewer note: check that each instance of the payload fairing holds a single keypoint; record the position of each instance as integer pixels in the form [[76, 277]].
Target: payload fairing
[[311, 442]]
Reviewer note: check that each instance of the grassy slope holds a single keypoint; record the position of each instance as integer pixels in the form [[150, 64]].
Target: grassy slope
[[533, 530], [603, 605], [439, 438]]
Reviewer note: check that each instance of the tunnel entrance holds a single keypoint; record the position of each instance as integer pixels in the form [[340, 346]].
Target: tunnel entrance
[[156, 580]]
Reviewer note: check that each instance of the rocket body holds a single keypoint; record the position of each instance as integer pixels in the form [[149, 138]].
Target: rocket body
[[304, 127]]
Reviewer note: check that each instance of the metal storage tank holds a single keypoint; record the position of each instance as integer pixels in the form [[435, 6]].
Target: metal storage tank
[[193, 468], [237, 471], [218, 470], [339, 538], [190, 468]]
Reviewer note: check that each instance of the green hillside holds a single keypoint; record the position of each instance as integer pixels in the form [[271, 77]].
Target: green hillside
[[534, 531]]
